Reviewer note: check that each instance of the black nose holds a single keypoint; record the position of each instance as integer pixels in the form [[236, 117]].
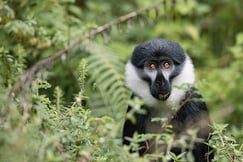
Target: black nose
[[160, 80], [159, 83]]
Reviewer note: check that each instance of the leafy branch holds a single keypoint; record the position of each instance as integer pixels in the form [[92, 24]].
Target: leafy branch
[[29, 74]]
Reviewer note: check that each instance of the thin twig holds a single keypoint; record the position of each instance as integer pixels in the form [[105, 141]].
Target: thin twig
[[28, 76]]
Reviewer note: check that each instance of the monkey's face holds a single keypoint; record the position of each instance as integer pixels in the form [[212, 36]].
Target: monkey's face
[[157, 62], [158, 72]]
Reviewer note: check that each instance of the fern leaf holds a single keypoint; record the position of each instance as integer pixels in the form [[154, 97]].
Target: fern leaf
[[106, 71]]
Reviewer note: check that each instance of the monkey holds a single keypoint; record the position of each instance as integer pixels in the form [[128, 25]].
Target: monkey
[[154, 73]]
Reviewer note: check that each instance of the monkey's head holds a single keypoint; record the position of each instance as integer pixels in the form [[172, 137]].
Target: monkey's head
[[155, 68]]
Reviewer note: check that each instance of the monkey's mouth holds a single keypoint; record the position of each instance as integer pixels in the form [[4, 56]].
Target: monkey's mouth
[[163, 97]]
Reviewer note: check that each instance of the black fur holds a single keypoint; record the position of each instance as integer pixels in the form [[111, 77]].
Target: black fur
[[153, 48], [192, 112], [139, 127]]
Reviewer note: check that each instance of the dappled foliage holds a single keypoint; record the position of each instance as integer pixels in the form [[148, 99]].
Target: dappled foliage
[[73, 109]]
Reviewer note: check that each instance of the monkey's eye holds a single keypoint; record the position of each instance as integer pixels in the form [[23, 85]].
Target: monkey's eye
[[166, 65], [152, 66]]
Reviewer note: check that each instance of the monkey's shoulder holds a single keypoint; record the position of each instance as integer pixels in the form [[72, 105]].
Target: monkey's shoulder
[[192, 105], [192, 113]]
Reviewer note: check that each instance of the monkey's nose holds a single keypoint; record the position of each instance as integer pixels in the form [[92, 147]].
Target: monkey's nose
[[160, 83]]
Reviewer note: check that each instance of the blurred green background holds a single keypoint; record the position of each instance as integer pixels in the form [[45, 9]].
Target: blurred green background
[[211, 32]]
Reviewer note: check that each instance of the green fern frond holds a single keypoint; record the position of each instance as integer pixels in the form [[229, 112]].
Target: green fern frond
[[106, 71]]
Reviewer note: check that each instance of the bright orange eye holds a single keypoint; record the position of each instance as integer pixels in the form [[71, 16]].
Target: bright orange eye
[[166, 65], [152, 66]]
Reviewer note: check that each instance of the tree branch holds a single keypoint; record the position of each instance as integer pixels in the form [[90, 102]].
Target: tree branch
[[28, 76]]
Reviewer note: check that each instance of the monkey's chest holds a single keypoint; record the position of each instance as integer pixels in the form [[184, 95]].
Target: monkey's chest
[[154, 121], [154, 124]]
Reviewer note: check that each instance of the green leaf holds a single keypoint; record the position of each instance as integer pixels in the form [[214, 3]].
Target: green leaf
[[106, 70]]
